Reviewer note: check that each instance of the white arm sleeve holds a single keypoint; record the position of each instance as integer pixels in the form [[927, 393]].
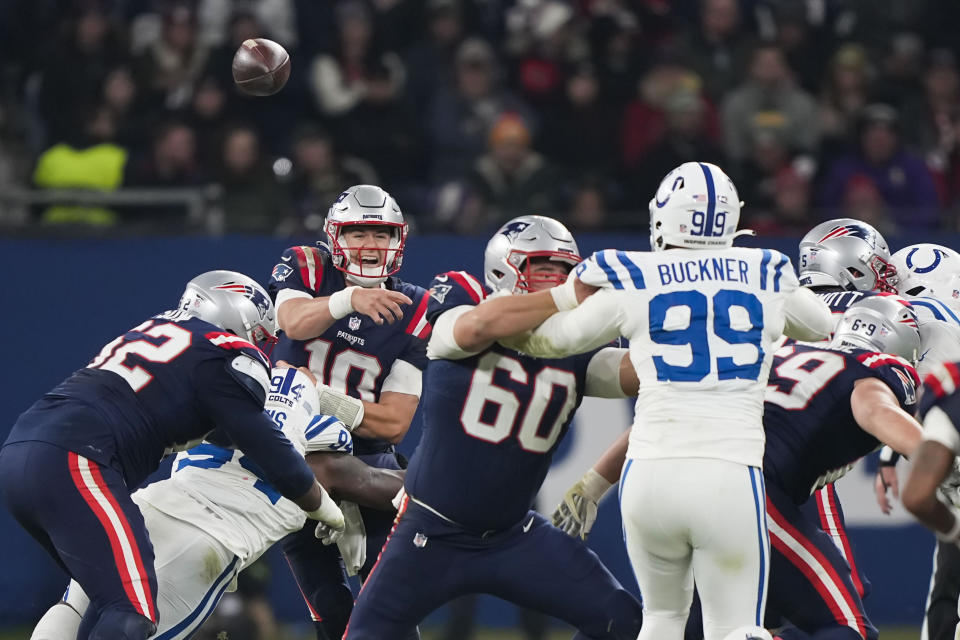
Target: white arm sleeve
[[938, 427], [603, 374], [593, 324], [289, 294], [442, 345], [807, 317], [403, 378]]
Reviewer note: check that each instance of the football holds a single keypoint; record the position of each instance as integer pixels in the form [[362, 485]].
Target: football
[[261, 67]]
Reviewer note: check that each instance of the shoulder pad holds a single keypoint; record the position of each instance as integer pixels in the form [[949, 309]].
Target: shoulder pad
[[310, 263], [611, 269], [418, 326], [896, 372], [229, 341], [252, 376], [326, 433], [453, 289]]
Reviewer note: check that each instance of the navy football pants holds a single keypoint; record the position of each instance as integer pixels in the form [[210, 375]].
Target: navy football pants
[[428, 561], [318, 569], [811, 584], [82, 514]]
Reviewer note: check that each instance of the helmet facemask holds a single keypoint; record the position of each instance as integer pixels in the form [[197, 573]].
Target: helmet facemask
[[356, 262], [528, 280]]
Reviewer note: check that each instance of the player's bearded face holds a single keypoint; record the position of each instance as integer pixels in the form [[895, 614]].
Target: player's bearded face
[[368, 247]]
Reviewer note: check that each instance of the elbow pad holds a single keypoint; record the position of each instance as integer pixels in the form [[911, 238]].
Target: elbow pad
[[252, 376], [807, 317], [346, 409]]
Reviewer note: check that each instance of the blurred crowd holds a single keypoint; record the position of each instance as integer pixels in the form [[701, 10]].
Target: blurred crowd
[[471, 112]]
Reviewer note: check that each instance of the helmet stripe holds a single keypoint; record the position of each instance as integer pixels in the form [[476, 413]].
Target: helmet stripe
[[711, 201]]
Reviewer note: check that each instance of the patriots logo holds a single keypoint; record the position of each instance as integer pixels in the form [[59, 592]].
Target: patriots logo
[[514, 229], [341, 197], [850, 230], [252, 294], [909, 389], [439, 291], [281, 271]]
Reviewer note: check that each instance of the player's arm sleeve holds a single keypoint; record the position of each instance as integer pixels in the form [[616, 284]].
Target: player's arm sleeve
[[806, 316], [603, 374], [443, 344], [404, 377], [938, 426], [299, 273], [233, 401], [593, 324]]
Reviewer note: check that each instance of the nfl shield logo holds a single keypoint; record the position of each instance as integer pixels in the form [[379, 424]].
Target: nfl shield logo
[[420, 540], [353, 323]]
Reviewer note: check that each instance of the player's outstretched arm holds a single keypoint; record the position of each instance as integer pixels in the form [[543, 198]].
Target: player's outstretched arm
[[498, 317], [302, 318], [877, 411], [348, 478], [594, 323], [808, 317], [932, 463]]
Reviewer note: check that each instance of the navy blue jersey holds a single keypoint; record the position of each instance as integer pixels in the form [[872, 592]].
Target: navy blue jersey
[[161, 387], [355, 355], [840, 301], [940, 388], [812, 437], [491, 423]]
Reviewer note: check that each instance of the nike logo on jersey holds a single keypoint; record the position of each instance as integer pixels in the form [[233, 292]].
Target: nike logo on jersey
[[923, 355], [529, 524]]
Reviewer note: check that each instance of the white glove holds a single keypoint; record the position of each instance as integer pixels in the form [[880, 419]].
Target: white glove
[[353, 543], [346, 409], [577, 512], [330, 517]]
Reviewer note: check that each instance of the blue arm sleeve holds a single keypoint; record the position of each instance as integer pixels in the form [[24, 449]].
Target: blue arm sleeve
[[233, 410]]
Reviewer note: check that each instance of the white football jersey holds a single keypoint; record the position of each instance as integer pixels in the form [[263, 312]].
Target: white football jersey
[[939, 327], [222, 492], [701, 326]]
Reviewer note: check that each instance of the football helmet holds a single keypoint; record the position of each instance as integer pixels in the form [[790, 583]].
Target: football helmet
[[884, 323], [748, 633], [366, 204], [696, 207], [928, 270], [233, 302], [847, 253], [506, 264]]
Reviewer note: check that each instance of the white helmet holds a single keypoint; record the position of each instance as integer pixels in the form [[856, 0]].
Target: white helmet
[[928, 270], [883, 323], [366, 204], [506, 265], [233, 302], [847, 253], [748, 633], [697, 207]]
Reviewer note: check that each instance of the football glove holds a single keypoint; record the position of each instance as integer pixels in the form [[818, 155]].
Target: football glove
[[330, 518], [577, 512], [353, 542]]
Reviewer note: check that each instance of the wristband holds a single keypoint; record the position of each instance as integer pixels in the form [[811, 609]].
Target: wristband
[[954, 534], [888, 457], [565, 296], [340, 303]]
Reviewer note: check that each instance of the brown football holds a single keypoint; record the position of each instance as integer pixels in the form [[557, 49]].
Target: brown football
[[261, 67]]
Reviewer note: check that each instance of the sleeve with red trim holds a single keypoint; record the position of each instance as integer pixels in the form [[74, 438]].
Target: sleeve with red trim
[[300, 268], [417, 327], [940, 390], [897, 373], [234, 410], [453, 289]]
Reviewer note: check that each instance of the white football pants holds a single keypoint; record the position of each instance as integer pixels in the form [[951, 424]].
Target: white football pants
[[193, 571], [696, 519]]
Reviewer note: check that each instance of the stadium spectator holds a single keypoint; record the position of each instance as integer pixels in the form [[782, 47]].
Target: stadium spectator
[[429, 62], [510, 180], [91, 161], [588, 207], [615, 44], [319, 176], [460, 117], [900, 177], [171, 65], [789, 213], [252, 201], [542, 41], [339, 79], [172, 160], [845, 93], [717, 47], [769, 98]]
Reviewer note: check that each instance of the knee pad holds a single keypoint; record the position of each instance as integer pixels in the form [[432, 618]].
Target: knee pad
[[749, 633], [122, 625]]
